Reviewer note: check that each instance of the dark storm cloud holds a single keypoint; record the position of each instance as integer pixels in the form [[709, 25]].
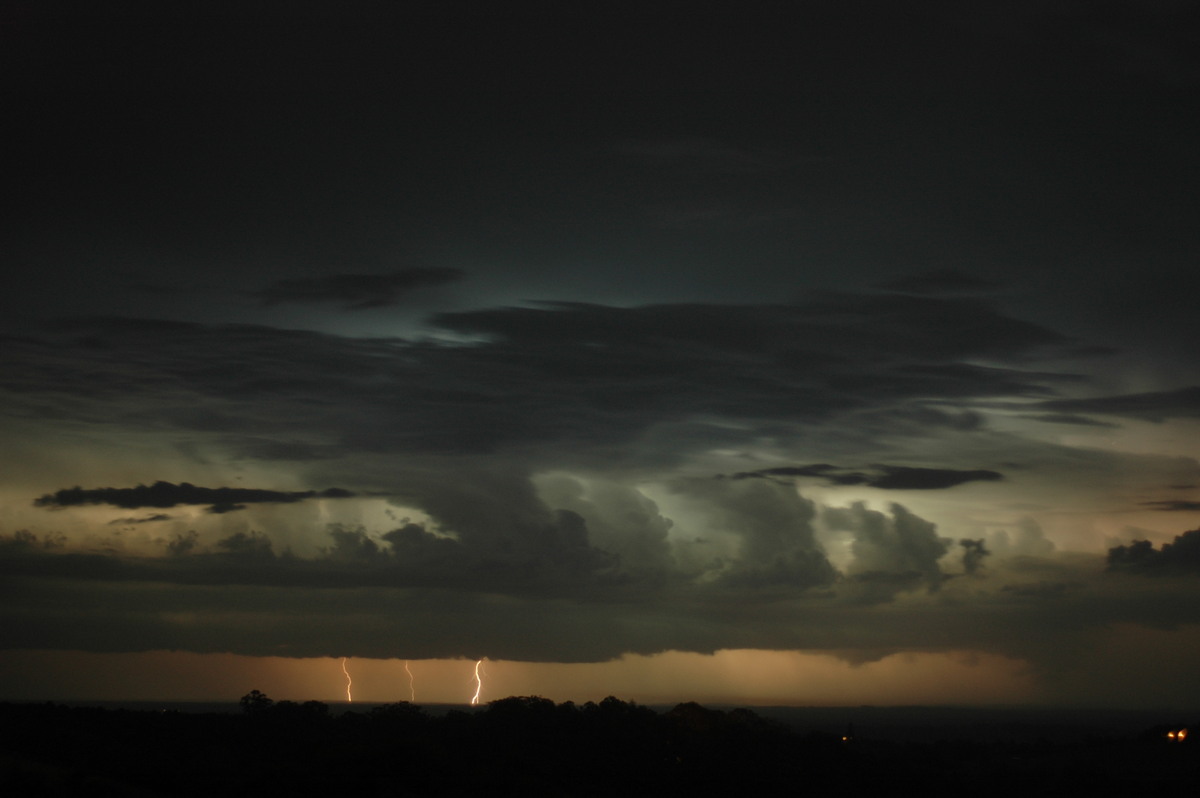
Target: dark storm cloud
[[166, 494], [254, 546], [365, 597], [1179, 557], [894, 326], [548, 553], [832, 473], [250, 448], [357, 291], [974, 552], [1039, 591], [1152, 406], [149, 519], [182, 543], [409, 556], [1175, 506], [906, 478], [778, 546], [458, 431], [410, 581], [941, 281], [620, 520], [578, 379], [836, 151], [549, 386], [918, 415], [887, 477], [25, 542], [1069, 418], [891, 553]]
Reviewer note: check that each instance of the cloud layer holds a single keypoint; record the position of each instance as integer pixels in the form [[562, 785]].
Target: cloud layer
[[551, 492]]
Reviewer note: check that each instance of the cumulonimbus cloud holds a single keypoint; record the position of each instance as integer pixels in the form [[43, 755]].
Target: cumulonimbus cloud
[[514, 449]]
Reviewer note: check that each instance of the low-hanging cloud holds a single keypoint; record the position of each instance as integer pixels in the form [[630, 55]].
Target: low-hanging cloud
[[166, 494]]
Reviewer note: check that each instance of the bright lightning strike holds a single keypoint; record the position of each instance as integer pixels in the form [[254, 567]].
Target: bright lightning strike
[[412, 683], [478, 683], [349, 682]]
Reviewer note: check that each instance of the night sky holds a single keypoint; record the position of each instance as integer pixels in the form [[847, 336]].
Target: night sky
[[791, 353]]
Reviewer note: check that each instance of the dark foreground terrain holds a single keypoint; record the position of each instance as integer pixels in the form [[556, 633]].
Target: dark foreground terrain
[[531, 746]]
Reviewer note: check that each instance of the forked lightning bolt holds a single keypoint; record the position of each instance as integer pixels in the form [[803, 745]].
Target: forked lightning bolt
[[412, 684], [349, 698], [478, 683]]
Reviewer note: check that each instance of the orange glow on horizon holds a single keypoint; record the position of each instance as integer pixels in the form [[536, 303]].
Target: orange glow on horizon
[[742, 677]]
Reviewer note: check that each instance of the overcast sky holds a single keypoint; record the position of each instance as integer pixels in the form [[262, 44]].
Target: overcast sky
[[823, 352]]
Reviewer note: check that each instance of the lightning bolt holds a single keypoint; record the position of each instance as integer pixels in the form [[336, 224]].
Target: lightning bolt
[[412, 684], [478, 683], [349, 682]]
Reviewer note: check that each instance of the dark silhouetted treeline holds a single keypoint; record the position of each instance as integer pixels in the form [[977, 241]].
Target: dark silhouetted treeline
[[532, 746]]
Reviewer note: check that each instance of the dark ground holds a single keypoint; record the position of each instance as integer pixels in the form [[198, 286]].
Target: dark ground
[[531, 746]]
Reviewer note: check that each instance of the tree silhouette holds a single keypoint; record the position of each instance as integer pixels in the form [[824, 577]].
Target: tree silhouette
[[255, 703]]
